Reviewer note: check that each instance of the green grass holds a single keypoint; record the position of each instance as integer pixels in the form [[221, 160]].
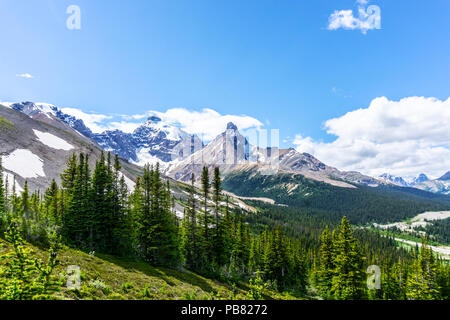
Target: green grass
[[6, 124], [408, 236], [108, 277]]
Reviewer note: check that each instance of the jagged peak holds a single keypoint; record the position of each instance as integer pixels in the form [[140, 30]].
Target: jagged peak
[[421, 178], [154, 119], [446, 176], [231, 126]]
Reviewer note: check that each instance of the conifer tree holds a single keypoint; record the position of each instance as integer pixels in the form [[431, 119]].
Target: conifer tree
[[51, 203], [275, 257], [227, 233], [75, 218], [422, 281], [349, 275], [143, 219], [191, 249], [206, 240], [164, 231], [101, 226], [220, 254], [2, 199], [326, 266]]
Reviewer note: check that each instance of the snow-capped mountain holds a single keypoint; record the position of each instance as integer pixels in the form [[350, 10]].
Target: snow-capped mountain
[[399, 181], [420, 178], [231, 151], [154, 141], [35, 145], [445, 177], [422, 182], [440, 185], [47, 112], [181, 154]]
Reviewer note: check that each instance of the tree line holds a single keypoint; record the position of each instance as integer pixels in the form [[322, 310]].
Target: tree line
[[95, 211]]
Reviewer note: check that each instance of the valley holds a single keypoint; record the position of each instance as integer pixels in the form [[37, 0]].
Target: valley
[[217, 212]]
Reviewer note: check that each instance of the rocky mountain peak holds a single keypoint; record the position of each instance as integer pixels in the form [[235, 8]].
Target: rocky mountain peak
[[154, 119], [232, 126], [420, 178], [445, 176]]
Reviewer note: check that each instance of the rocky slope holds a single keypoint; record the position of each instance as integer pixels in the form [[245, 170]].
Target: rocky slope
[[154, 141], [35, 145], [422, 182], [231, 152]]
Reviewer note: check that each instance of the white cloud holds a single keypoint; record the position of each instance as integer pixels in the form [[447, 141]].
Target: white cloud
[[123, 126], [404, 137], [24, 75], [94, 121], [366, 20], [206, 123]]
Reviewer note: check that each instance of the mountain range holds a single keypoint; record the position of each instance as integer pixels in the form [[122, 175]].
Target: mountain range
[[440, 185], [180, 154], [36, 141]]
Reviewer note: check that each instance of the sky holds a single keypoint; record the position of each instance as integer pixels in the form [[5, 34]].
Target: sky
[[362, 85]]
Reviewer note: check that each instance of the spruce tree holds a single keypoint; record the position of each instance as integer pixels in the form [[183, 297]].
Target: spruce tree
[[164, 230], [219, 232], [144, 225], [348, 280], [191, 243], [51, 204], [101, 225], [422, 282], [206, 240], [24, 208], [326, 266], [2, 199]]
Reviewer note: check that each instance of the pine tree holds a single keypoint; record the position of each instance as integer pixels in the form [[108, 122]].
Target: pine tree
[[75, 217], [326, 266], [143, 219], [24, 208], [2, 199], [422, 282], [349, 275], [100, 221], [227, 233], [25, 278], [192, 248], [276, 257], [51, 204], [206, 241], [68, 176], [136, 202], [164, 231], [220, 255]]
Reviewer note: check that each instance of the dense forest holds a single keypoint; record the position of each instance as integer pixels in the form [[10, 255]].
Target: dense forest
[[277, 248], [362, 205]]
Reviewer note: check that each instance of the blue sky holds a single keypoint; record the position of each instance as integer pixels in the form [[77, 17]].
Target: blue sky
[[275, 61]]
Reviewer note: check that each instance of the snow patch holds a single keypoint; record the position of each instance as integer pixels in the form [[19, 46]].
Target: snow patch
[[6, 104], [144, 157], [10, 177], [421, 220], [24, 163], [52, 141], [130, 183]]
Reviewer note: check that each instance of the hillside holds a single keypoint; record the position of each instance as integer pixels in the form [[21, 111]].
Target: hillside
[[37, 148], [361, 205], [107, 277]]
